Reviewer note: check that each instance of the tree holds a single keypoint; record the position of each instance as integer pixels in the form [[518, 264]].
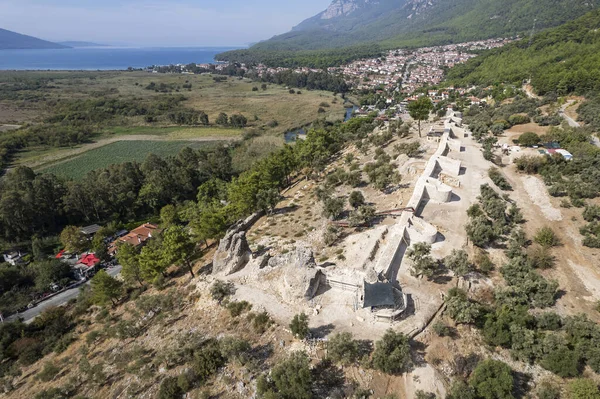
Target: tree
[[299, 325], [168, 215], [73, 239], [209, 221], [460, 308], [128, 257], [392, 353], [341, 348], [333, 207], [178, 247], [222, 119], [290, 379], [493, 379], [105, 288], [423, 263], [529, 139], [356, 199], [458, 262], [49, 272], [584, 388], [419, 110], [153, 263], [267, 199]]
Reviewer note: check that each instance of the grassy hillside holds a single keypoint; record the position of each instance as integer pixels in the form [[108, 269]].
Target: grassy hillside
[[439, 22], [16, 41], [564, 59]]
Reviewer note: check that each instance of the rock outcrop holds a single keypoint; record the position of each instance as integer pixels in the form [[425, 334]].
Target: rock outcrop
[[234, 253], [300, 277]]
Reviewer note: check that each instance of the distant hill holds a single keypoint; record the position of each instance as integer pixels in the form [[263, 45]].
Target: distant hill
[[387, 24], [564, 60], [15, 41], [76, 44]]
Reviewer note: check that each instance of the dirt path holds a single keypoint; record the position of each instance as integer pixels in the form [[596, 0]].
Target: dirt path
[[574, 269], [64, 155]]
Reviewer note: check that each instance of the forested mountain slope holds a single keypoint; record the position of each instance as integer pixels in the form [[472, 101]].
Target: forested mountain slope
[[387, 24], [564, 59], [15, 41]]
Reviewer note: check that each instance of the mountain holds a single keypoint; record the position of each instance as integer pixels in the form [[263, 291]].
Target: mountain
[[77, 44], [388, 24], [564, 60], [15, 41]]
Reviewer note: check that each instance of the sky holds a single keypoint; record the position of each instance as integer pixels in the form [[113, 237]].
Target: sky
[[157, 22]]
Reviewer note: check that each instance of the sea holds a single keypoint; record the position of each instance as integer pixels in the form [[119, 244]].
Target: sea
[[105, 58]]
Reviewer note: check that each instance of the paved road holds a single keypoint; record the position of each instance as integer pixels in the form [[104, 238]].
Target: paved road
[[57, 300]]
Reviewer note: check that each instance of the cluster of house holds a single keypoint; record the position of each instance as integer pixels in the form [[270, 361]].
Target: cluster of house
[[408, 70], [87, 263]]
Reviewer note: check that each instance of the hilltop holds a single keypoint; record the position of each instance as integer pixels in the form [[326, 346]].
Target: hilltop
[[389, 24], [15, 41]]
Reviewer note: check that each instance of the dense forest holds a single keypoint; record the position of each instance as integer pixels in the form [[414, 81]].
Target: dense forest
[[563, 60], [307, 58]]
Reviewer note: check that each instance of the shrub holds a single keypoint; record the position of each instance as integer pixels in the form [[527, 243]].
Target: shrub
[[261, 322], [563, 361], [331, 235], [221, 290], [237, 308], [541, 258], [493, 379], [356, 199], [460, 308], [499, 180], [584, 388], [424, 395], [458, 262], [546, 237], [547, 390], [169, 389], [208, 360], [441, 329], [518, 119], [483, 261], [48, 373], [412, 149], [234, 349], [342, 349], [392, 353], [291, 378], [530, 164], [423, 263], [299, 326]]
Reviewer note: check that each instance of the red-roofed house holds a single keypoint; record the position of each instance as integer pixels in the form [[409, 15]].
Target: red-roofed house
[[89, 260], [136, 237]]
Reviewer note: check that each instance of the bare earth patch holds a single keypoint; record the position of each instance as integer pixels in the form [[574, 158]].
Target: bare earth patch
[[538, 194]]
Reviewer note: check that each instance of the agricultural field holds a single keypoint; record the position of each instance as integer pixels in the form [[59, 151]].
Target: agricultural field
[[270, 111], [118, 152], [233, 96]]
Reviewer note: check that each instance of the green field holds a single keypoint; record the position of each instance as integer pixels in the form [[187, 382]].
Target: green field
[[119, 152]]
